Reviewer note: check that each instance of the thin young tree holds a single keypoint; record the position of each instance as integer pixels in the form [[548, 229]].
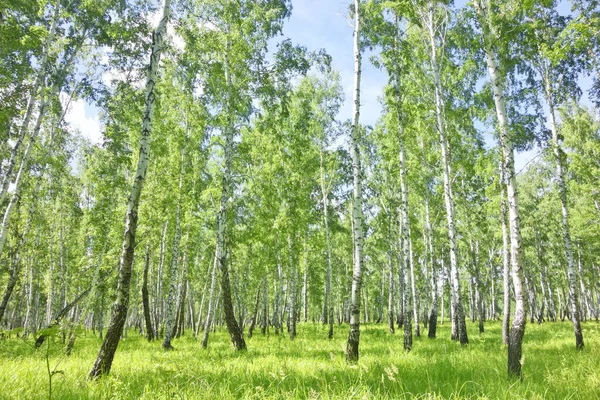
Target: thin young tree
[[435, 24]]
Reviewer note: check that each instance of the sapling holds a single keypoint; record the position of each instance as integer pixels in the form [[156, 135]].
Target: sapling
[[49, 334]]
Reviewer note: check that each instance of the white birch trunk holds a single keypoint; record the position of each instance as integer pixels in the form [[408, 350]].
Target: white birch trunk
[[459, 331], [357, 212], [327, 301], [105, 357], [562, 189], [221, 224], [405, 279], [211, 299], [433, 313], [293, 290], [518, 327], [277, 289], [171, 316], [159, 300], [305, 285], [505, 256]]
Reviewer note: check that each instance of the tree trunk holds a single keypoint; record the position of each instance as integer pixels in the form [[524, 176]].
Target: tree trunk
[[211, 305], [12, 281], [562, 189], [201, 309], [585, 301], [293, 286], [459, 331], [305, 286], [277, 283], [24, 166], [493, 282], [505, 256], [30, 278], [530, 290], [390, 284], [433, 312], [515, 341], [180, 323], [357, 214], [172, 310], [478, 291], [594, 295], [264, 324], [471, 299], [401, 285], [406, 296], [233, 328], [76, 322], [327, 301], [254, 314], [61, 261], [105, 357], [159, 303], [551, 303], [543, 278], [145, 298], [413, 285], [14, 275]]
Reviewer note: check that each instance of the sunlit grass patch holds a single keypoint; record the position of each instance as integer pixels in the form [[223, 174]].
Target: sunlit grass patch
[[313, 367]]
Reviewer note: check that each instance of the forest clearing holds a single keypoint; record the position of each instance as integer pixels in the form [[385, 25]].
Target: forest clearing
[[305, 199], [313, 367]]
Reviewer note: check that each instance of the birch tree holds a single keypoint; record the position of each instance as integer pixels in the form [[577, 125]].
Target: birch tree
[[557, 79], [486, 11], [434, 20], [105, 357], [357, 212]]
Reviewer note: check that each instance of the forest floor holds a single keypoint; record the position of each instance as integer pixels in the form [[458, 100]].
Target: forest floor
[[313, 367]]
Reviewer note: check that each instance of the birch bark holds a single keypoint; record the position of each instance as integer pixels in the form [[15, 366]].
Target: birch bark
[[211, 300], [505, 257], [357, 212], [459, 331], [235, 333], [515, 342], [107, 351], [170, 317], [562, 190]]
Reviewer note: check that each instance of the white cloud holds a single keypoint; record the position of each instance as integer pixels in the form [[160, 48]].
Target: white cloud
[[87, 126]]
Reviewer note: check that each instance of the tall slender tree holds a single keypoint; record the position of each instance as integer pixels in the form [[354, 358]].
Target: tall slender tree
[[103, 362], [357, 212], [486, 12]]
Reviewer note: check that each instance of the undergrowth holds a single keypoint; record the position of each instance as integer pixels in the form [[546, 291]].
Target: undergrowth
[[313, 367]]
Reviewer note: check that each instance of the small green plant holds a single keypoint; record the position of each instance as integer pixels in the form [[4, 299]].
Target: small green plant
[[49, 335]]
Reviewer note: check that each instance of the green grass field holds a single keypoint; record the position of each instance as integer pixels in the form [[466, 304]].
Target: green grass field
[[314, 367]]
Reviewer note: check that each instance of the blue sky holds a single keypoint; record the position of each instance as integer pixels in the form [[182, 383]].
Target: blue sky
[[324, 24]]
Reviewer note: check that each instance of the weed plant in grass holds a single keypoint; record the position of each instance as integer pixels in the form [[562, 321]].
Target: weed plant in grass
[[313, 367]]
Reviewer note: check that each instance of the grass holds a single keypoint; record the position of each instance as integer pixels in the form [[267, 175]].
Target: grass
[[313, 367]]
